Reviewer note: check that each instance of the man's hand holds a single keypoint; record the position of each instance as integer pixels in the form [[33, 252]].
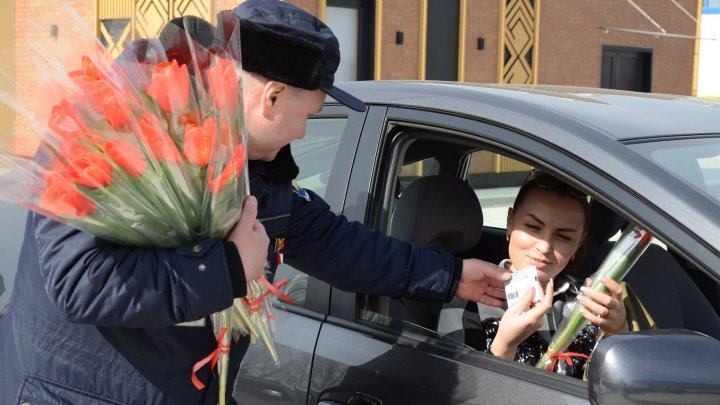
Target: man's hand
[[251, 240], [482, 282]]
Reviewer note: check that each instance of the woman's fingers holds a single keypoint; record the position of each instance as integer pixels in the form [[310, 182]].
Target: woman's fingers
[[604, 309], [597, 296], [522, 305], [542, 307], [595, 308], [613, 286], [594, 318]]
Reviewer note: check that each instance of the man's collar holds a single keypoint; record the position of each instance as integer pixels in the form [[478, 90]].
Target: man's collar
[[282, 168]]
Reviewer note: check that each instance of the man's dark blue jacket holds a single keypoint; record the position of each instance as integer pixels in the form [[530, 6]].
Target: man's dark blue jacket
[[91, 322]]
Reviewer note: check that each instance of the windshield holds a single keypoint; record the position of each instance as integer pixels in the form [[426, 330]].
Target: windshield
[[694, 161]]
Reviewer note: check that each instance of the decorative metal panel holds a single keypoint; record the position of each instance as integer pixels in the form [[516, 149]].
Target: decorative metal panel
[[505, 164], [151, 16], [519, 41], [193, 7], [120, 21]]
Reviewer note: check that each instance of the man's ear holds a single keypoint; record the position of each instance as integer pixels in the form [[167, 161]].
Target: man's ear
[[272, 92]]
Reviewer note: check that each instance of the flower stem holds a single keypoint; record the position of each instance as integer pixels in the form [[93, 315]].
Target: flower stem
[[225, 354]]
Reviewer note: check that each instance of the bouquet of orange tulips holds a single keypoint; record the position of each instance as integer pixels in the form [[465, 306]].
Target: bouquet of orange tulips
[[146, 149]]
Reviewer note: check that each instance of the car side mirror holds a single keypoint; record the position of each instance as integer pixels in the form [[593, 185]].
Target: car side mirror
[[657, 366]]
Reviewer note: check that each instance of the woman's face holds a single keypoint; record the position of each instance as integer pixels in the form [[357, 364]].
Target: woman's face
[[545, 231]]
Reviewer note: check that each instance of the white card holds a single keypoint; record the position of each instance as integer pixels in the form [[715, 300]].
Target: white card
[[521, 281]]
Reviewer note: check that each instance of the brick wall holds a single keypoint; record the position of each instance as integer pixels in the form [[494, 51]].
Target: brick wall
[[7, 73], [400, 61], [33, 21], [570, 46], [570, 50], [483, 18]]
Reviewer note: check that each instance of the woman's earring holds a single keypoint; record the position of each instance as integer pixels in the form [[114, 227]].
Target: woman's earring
[[507, 238]]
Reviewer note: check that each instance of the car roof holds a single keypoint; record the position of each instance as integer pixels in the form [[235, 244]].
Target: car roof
[[621, 115]]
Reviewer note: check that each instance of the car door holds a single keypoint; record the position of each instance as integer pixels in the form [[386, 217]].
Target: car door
[[324, 157], [364, 356], [13, 219]]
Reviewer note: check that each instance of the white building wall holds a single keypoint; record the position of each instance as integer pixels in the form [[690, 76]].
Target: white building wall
[[709, 57]]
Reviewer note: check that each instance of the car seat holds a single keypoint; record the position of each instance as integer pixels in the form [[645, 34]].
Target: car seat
[[663, 286], [434, 210]]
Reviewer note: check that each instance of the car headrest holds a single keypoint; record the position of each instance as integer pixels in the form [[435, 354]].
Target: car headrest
[[441, 209], [604, 223]]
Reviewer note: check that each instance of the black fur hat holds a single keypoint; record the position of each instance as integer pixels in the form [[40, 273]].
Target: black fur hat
[[285, 43], [279, 41]]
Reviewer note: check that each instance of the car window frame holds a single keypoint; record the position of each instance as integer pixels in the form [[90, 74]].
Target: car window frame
[[510, 142], [317, 301]]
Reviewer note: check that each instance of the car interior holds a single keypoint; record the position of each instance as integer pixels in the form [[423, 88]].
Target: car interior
[[436, 199]]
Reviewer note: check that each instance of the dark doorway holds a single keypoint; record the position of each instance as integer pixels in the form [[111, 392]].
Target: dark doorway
[[441, 54], [353, 22], [626, 68]]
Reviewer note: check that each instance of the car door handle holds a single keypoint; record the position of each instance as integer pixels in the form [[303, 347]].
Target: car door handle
[[346, 397]]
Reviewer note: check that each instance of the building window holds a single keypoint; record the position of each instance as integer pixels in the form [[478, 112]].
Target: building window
[[711, 7], [441, 47], [352, 22], [114, 33], [626, 69]]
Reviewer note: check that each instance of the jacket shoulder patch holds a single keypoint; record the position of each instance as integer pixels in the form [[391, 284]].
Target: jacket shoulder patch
[[301, 192]]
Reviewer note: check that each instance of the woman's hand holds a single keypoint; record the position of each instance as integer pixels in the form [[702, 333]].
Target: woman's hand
[[605, 310], [520, 321]]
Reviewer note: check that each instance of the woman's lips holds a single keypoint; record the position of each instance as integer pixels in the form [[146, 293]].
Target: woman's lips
[[538, 263]]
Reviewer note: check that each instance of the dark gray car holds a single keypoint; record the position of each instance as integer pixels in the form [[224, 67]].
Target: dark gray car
[[12, 219], [650, 159]]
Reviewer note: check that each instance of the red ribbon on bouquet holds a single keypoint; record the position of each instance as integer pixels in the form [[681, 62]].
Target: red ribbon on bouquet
[[212, 358], [271, 289], [567, 356], [254, 305]]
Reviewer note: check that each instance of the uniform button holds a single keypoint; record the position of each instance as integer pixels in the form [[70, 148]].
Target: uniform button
[[202, 267], [436, 252], [197, 248]]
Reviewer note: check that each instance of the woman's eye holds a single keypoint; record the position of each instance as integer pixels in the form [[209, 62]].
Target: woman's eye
[[564, 238], [533, 227]]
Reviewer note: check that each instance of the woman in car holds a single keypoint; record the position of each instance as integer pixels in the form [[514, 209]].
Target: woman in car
[[546, 228]]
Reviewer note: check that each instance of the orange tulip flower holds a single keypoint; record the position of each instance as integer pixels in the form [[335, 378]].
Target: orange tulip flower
[[223, 82], [128, 157], [62, 199], [199, 142], [91, 171], [234, 167], [112, 103], [65, 121], [159, 142], [170, 86], [73, 149]]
